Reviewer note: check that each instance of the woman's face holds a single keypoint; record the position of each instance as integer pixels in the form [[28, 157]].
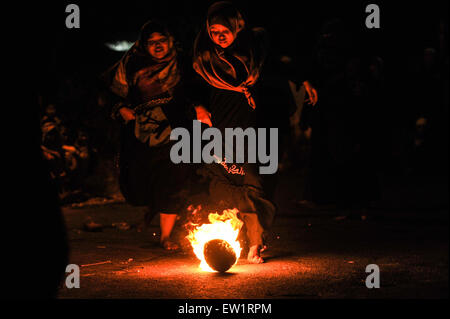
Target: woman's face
[[158, 45], [221, 35]]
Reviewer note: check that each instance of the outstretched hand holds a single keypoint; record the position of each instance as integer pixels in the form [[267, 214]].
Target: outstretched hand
[[203, 115], [312, 93], [127, 114]]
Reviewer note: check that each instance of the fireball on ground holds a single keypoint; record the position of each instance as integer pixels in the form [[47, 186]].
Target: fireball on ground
[[215, 244], [219, 255]]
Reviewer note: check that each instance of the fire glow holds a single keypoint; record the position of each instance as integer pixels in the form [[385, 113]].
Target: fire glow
[[225, 226]]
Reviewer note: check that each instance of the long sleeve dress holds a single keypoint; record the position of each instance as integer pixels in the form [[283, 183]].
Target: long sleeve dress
[[235, 185], [147, 176]]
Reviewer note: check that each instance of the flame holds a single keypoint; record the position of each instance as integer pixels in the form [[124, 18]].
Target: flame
[[225, 226]]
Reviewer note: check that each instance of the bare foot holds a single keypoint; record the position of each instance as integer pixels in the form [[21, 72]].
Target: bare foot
[[169, 245], [254, 255]]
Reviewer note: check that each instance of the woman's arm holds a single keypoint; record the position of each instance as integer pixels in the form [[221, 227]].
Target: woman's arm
[[312, 93], [303, 74], [127, 114], [121, 110], [116, 83], [198, 95], [203, 115]]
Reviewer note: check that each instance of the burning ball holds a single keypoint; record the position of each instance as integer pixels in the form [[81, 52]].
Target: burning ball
[[219, 255]]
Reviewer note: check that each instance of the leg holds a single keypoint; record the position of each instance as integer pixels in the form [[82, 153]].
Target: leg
[[254, 235], [167, 221]]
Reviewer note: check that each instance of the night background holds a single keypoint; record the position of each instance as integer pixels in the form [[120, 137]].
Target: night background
[[317, 247]]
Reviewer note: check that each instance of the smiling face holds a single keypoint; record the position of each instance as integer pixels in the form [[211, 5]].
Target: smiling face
[[221, 35], [158, 45]]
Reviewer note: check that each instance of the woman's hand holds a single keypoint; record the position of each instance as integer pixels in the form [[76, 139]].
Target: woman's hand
[[312, 93], [203, 115], [127, 114]]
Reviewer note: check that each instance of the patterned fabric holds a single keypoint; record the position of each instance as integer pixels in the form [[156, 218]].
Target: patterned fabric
[[151, 125]]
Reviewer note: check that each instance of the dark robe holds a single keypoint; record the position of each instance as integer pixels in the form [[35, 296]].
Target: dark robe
[[156, 91], [229, 188], [147, 176]]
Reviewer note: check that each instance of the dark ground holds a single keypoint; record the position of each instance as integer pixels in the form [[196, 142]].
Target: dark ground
[[312, 254]]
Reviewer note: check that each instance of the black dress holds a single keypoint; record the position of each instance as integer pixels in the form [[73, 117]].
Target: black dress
[[235, 185]]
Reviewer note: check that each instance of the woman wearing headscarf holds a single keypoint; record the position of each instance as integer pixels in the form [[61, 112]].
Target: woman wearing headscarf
[[152, 101], [229, 57]]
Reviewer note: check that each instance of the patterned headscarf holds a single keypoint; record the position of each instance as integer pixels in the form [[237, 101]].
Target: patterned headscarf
[[137, 65], [210, 59]]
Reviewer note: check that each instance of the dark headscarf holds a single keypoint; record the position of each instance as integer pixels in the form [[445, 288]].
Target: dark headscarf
[[137, 64], [210, 60], [226, 14]]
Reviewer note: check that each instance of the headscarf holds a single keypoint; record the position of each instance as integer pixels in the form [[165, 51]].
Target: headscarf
[[159, 75], [210, 60]]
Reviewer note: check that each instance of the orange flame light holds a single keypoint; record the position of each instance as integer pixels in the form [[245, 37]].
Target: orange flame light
[[225, 226]]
